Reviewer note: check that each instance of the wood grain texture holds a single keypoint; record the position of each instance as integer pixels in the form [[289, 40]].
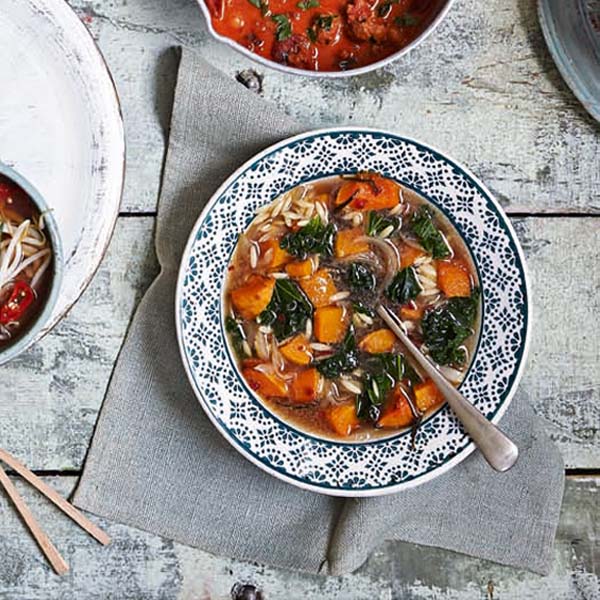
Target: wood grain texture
[[482, 88], [49, 412], [140, 566]]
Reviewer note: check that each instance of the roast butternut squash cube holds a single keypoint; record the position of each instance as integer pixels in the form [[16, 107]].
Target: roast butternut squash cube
[[342, 418], [297, 350], [330, 324], [305, 387], [250, 299], [378, 341], [269, 385], [319, 288]]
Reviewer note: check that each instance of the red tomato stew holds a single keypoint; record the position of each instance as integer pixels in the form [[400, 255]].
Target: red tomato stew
[[25, 262], [323, 35], [301, 292]]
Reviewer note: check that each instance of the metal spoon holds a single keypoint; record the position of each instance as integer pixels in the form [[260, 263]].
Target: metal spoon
[[500, 452]]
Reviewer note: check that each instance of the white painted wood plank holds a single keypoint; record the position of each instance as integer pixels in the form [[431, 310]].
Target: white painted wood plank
[[482, 88], [141, 566], [48, 412]]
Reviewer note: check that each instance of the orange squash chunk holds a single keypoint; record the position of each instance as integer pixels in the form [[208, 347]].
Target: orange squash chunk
[[346, 243], [330, 324], [305, 387], [250, 299], [300, 268], [397, 412], [363, 195], [277, 257], [319, 287], [378, 341], [408, 255], [453, 278], [411, 313], [297, 350], [427, 395], [266, 384], [342, 418]]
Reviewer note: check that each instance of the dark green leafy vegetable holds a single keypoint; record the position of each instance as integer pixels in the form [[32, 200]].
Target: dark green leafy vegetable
[[288, 309], [313, 238], [344, 360], [323, 22], [306, 4], [429, 236], [447, 327], [360, 277], [359, 307], [404, 286], [262, 5], [376, 223], [384, 372], [284, 27], [236, 335], [407, 20]]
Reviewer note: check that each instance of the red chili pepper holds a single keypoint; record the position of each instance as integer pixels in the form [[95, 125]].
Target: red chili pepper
[[21, 298]]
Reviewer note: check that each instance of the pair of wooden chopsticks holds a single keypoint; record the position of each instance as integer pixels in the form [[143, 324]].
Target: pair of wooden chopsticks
[[47, 547]]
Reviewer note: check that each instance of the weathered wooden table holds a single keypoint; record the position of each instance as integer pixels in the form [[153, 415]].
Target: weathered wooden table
[[484, 89]]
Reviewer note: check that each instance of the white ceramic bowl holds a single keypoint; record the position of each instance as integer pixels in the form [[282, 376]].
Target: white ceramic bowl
[[21, 344], [443, 11]]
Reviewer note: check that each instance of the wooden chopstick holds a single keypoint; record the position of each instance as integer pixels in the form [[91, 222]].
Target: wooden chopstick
[[47, 547], [55, 498]]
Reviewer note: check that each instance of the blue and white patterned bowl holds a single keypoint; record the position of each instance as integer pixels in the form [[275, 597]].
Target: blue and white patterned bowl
[[340, 468]]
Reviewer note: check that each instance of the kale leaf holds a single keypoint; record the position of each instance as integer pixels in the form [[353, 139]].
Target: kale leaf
[[447, 327], [237, 335], [359, 307], [404, 287], [288, 310], [313, 238], [376, 223], [384, 372], [429, 236], [344, 360], [361, 277]]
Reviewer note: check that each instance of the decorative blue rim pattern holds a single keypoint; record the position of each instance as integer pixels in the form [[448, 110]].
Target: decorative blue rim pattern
[[382, 465]]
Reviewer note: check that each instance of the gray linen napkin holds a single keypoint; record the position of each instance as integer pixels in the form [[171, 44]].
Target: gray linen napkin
[[157, 463]]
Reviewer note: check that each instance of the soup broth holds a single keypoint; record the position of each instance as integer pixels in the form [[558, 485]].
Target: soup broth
[[301, 292], [25, 262]]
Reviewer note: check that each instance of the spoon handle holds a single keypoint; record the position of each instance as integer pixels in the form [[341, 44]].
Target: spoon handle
[[499, 451]]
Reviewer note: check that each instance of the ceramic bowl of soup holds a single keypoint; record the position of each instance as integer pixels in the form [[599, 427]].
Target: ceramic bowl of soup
[[30, 263], [276, 309], [323, 38]]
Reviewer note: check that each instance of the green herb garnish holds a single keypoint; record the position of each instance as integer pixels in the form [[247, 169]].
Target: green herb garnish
[[361, 277], [313, 238], [430, 237], [407, 20], [404, 287], [343, 361], [306, 4], [288, 310], [376, 223], [447, 327], [262, 5], [284, 27]]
